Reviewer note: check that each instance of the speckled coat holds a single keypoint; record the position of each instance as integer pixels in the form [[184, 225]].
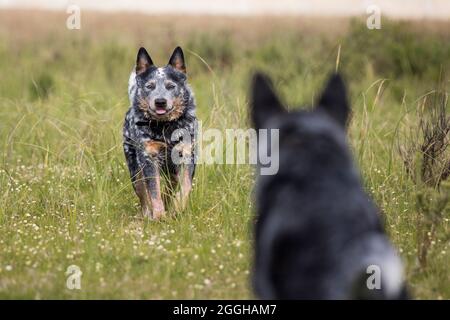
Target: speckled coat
[[150, 139]]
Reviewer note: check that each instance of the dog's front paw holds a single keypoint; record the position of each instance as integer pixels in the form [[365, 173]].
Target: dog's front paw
[[158, 210], [156, 213], [159, 214]]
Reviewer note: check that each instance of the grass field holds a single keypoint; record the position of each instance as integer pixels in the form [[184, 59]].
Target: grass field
[[66, 197]]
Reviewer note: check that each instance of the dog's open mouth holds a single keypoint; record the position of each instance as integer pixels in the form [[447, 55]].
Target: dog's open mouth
[[161, 110], [167, 112]]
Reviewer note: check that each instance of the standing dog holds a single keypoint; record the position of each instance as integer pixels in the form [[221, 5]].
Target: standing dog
[[318, 235], [159, 131]]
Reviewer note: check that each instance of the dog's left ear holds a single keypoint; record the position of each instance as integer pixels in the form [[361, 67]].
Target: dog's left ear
[[334, 101], [264, 102], [177, 60]]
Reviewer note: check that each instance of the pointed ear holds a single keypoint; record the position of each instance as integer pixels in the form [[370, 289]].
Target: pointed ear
[[177, 60], [143, 61], [334, 100], [264, 102]]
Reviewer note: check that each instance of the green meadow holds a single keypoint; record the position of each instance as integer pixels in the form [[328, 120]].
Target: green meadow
[[66, 197]]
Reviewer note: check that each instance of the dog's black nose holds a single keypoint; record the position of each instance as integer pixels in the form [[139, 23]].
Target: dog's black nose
[[160, 103]]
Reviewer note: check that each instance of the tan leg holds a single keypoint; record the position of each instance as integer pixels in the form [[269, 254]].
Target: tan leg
[[184, 176], [154, 149], [156, 199], [143, 195], [182, 196], [151, 202]]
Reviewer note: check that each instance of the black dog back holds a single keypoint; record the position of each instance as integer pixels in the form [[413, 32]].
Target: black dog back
[[318, 235]]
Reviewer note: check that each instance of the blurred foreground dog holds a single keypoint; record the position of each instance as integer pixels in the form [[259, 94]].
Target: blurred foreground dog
[[159, 131], [318, 235]]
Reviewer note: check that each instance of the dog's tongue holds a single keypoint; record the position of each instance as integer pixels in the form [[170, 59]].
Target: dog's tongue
[[161, 110]]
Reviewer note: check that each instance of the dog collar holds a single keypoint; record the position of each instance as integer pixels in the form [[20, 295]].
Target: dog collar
[[143, 123]]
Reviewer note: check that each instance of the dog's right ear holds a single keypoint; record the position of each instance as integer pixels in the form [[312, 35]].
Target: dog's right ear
[[334, 100], [264, 103], [143, 61], [177, 60]]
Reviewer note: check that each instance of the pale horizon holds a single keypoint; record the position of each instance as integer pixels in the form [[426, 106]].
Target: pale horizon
[[397, 9]]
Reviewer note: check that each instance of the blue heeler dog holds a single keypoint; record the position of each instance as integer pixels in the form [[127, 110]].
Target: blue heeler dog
[[318, 234], [159, 131]]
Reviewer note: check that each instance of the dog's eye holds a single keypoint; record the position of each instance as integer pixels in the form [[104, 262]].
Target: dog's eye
[[170, 86], [150, 86]]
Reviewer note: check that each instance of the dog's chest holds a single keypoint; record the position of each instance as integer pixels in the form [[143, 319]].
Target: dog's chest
[[158, 132], [158, 140]]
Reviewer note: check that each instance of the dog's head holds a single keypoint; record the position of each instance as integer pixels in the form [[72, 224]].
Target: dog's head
[[161, 92], [321, 129]]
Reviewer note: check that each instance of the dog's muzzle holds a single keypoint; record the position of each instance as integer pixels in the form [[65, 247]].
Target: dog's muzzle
[[161, 106]]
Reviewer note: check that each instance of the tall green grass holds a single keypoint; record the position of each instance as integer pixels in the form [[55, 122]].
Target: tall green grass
[[66, 196]]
